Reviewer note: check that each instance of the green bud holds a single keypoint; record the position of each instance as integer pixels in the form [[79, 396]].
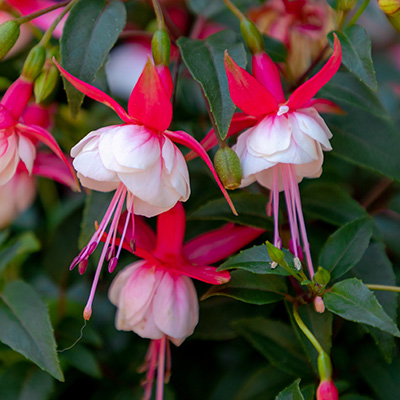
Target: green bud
[[228, 168], [322, 277], [9, 33], [276, 254], [161, 47], [46, 82], [324, 367], [34, 63], [252, 36]]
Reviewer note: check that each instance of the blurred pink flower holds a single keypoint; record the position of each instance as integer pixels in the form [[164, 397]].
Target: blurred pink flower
[[327, 391], [138, 159], [301, 24], [155, 297]]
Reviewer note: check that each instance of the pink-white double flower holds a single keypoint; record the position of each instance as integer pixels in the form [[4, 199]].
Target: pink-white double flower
[[156, 298], [138, 159], [286, 141], [19, 137]]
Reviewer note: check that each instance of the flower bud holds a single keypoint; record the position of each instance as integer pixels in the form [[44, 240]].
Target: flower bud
[[276, 254], [227, 165], [252, 36], [327, 391], [322, 277], [9, 33], [392, 10], [46, 82], [161, 47], [324, 366], [34, 63]]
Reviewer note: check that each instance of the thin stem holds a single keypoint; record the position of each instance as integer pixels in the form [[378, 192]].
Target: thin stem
[[46, 37], [159, 14], [235, 10], [30, 17], [306, 331], [358, 13], [383, 287]]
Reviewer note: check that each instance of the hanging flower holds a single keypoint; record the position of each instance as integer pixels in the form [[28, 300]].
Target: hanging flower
[[156, 298], [287, 141], [138, 159]]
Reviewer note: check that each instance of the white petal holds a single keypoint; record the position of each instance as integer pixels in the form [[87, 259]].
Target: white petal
[[27, 152], [89, 139], [97, 185], [148, 210], [147, 328], [305, 142], [175, 306], [311, 170]]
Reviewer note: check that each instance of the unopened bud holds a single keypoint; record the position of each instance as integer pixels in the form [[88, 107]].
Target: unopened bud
[[322, 277], [252, 36], [34, 63], [161, 47], [9, 33], [227, 165], [392, 10], [276, 254], [319, 305], [327, 391], [46, 82], [346, 5]]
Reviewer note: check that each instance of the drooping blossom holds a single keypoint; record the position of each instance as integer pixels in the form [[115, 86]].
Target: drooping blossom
[[327, 391], [138, 159], [155, 296], [301, 24], [286, 143]]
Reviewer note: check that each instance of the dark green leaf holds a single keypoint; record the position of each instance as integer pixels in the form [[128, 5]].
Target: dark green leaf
[[257, 260], [25, 327], [330, 203], [250, 288], [356, 54], [292, 392], [353, 301], [205, 61], [90, 32], [21, 246], [346, 247], [375, 267], [276, 341], [25, 382], [83, 360], [250, 207]]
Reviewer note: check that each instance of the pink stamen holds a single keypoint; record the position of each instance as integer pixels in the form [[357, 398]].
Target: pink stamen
[[275, 192], [161, 369], [150, 366]]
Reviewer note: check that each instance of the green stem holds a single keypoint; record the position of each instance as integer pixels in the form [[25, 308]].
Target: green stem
[[358, 13], [383, 287], [235, 10], [30, 17], [159, 14], [46, 37]]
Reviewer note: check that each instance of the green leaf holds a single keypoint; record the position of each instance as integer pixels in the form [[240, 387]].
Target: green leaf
[[250, 207], [205, 61], [25, 327], [91, 30], [345, 247], [25, 382], [250, 288], [20, 247], [276, 341], [375, 267], [329, 202], [353, 301], [292, 392], [356, 54], [257, 260], [355, 135], [83, 360]]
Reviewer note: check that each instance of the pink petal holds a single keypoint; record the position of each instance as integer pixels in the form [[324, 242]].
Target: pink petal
[[17, 97], [218, 244], [246, 92], [93, 93], [188, 141], [149, 102], [45, 137], [325, 106], [308, 89], [239, 122], [50, 166], [266, 72], [202, 273], [166, 78], [170, 231]]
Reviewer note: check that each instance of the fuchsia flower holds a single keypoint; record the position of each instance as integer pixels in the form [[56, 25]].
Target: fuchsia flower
[[156, 298], [286, 142], [327, 391], [138, 159], [301, 24], [18, 138]]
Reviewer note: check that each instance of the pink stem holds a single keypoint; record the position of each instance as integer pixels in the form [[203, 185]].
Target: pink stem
[[275, 190], [161, 369]]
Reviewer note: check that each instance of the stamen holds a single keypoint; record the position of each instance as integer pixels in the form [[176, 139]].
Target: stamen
[[297, 263], [282, 110], [275, 195], [274, 264], [83, 266], [161, 369], [112, 264]]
